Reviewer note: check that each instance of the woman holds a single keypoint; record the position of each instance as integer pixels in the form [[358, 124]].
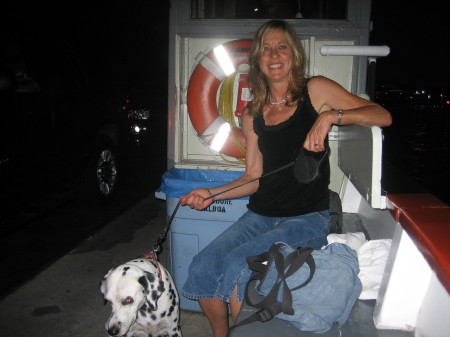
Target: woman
[[288, 112]]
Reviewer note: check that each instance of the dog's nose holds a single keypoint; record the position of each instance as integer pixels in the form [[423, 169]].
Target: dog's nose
[[113, 331]]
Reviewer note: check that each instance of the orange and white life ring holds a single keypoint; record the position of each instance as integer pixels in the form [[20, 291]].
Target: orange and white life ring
[[202, 92]]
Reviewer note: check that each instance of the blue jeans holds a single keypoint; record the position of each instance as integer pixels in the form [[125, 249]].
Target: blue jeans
[[222, 265]]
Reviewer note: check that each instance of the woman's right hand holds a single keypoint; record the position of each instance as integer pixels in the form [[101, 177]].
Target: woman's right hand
[[196, 199]]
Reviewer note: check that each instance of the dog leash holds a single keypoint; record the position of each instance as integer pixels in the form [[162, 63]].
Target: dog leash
[[152, 256], [250, 181], [157, 246]]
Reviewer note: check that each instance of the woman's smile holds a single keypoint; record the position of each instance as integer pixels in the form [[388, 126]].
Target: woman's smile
[[275, 66]]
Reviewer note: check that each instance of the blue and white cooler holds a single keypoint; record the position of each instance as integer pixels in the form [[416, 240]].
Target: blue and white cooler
[[192, 230]]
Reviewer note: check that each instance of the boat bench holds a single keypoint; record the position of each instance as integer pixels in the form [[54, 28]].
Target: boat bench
[[426, 219]]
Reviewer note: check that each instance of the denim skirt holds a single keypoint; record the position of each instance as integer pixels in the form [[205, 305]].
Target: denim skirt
[[221, 266]]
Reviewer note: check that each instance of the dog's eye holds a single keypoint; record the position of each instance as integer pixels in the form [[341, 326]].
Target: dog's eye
[[128, 300]]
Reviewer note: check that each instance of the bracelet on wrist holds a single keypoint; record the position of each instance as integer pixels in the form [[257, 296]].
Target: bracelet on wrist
[[210, 193], [340, 114]]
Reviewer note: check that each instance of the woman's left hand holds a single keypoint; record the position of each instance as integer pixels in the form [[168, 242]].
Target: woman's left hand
[[315, 139]]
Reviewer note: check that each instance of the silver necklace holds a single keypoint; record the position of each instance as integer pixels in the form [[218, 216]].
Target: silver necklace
[[281, 101]]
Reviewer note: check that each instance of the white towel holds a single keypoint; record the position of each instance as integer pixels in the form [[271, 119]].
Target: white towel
[[372, 257]]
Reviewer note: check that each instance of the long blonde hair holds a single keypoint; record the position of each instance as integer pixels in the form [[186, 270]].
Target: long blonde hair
[[256, 78]]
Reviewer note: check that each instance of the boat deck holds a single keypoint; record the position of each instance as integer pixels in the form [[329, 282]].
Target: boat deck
[[64, 300]]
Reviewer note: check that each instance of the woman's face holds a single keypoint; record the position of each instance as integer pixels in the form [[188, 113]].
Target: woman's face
[[276, 59]]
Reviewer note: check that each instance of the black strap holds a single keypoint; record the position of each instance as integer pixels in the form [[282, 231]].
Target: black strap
[[250, 181], [296, 260], [269, 306], [157, 246]]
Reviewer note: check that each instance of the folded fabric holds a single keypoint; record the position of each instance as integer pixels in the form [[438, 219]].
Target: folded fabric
[[353, 240], [372, 257]]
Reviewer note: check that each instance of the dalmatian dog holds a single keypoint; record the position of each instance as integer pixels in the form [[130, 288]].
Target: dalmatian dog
[[143, 298]]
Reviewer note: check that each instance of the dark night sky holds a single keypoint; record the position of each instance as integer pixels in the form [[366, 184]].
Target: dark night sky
[[417, 35]]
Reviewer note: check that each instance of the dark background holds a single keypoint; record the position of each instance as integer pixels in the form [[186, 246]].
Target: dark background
[[417, 34], [123, 49], [417, 144]]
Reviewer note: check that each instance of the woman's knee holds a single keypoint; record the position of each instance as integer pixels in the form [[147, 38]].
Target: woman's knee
[[235, 271], [201, 267], [232, 267]]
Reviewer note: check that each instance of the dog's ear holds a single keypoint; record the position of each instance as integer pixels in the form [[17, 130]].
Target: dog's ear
[[103, 282], [153, 288], [103, 289]]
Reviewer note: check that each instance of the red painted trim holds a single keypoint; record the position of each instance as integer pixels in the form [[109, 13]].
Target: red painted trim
[[427, 221]]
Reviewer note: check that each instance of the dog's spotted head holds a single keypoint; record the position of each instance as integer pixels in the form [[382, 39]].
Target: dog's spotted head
[[130, 290]]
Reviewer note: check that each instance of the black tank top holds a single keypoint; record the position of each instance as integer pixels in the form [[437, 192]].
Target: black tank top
[[280, 194]]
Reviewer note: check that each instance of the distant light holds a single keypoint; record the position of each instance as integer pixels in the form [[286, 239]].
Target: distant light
[[140, 113], [256, 10], [224, 60], [137, 129], [448, 102], [220, 137]]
